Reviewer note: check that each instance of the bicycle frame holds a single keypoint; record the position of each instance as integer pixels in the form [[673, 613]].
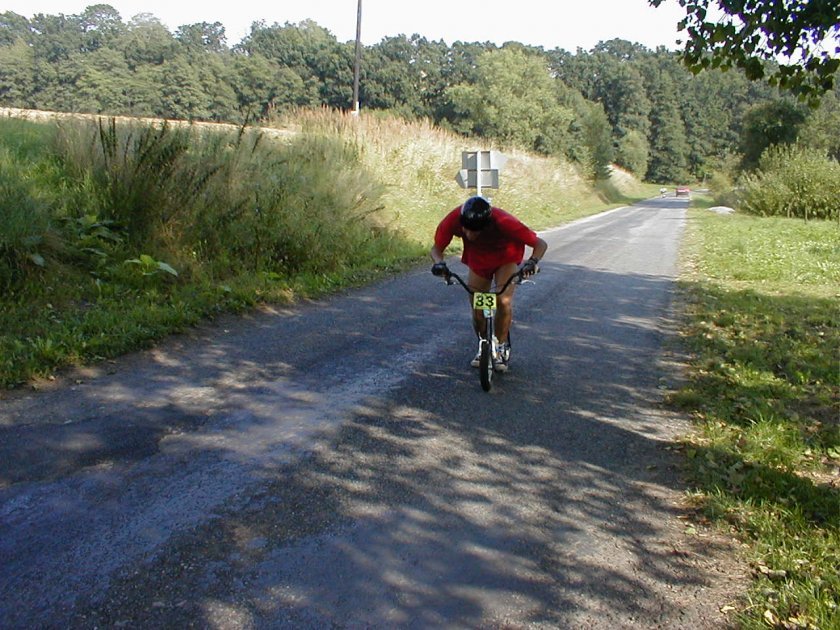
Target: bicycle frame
[[485, 301]]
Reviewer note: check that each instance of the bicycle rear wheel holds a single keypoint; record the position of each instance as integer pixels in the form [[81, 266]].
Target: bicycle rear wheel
[[485, 365]]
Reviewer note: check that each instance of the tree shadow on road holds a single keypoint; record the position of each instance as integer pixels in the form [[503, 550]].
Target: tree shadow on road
[[552, 500]]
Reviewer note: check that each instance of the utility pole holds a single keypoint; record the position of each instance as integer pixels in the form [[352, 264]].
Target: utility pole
[[358, 59]]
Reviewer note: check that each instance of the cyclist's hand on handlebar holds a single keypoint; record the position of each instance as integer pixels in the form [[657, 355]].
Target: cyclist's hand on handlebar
[[529, 268], [440, 269]]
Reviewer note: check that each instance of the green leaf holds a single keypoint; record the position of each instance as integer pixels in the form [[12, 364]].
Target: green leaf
[[754, 69], [37, 259], [168, 269]]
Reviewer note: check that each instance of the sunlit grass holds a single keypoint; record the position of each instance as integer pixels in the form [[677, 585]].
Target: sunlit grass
[[762, 328], [417, 162]]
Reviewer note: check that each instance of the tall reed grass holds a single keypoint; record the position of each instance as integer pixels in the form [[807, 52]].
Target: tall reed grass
[[223, 202]]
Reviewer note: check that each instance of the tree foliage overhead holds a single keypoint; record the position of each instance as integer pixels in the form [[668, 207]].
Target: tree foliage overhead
[[795, 44]]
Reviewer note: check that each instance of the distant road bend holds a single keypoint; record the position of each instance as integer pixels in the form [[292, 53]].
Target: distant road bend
[[336, 464]]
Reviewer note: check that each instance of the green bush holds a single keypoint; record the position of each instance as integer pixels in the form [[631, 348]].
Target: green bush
[[793, 181], [227, 202], [134, 175], [633, 152], [723, 189], [26, 234]]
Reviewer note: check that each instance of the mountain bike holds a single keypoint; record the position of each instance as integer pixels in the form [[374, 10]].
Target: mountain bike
[[486, 302]]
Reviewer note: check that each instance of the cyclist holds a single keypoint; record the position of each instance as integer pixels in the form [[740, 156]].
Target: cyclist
[[494, 246]]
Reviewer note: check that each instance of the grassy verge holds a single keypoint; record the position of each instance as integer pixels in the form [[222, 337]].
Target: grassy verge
[[762, 329]]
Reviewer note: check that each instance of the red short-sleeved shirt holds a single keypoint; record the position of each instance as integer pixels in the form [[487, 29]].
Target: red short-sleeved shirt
[[502, 241]]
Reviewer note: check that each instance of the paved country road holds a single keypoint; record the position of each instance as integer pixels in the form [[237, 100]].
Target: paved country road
[[336, 464]]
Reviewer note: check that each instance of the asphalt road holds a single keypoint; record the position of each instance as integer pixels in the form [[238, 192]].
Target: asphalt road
[[337, 464]]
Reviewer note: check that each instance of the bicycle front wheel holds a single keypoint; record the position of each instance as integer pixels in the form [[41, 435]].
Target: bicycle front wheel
[[485, 365]]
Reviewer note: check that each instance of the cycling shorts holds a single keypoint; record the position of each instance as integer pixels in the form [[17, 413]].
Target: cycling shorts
[[488, 272]]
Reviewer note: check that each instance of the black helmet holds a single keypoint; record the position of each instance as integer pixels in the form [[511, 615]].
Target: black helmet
[[475, 213]]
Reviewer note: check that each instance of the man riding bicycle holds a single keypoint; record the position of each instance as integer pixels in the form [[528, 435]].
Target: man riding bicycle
[[494, 246]]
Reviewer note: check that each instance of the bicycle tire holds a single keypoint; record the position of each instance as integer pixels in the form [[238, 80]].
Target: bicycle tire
[[485, 365]]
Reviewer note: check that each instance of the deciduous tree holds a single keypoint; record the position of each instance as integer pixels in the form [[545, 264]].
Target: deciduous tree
[[668, 145], [514, 100], [769, 124], [17, 74], [13, 27]]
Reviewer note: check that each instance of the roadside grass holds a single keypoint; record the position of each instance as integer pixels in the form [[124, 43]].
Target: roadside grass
[[417, 163], [112, 237], [115, 235], [75, 321], [761, 302]]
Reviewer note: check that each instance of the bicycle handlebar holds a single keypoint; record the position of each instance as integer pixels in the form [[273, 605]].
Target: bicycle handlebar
[[516, 278]]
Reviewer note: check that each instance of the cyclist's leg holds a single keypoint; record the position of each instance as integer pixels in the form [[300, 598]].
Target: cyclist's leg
[[504, 312], [479, 283]]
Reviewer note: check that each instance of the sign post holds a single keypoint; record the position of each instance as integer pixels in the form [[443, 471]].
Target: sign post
[[480, 169]]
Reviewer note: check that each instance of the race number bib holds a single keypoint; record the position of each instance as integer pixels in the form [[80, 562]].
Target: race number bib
[[482, 301]]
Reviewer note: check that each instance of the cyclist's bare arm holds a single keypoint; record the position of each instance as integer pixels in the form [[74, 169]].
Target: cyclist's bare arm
[[539, 249]]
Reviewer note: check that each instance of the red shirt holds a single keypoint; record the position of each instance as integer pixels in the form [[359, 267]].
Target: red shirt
[[502, 241]]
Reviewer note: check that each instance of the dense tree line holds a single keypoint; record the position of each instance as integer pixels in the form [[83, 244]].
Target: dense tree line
[[618, 103]]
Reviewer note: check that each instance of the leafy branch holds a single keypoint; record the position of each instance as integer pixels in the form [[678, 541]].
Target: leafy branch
[[793, 44]]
